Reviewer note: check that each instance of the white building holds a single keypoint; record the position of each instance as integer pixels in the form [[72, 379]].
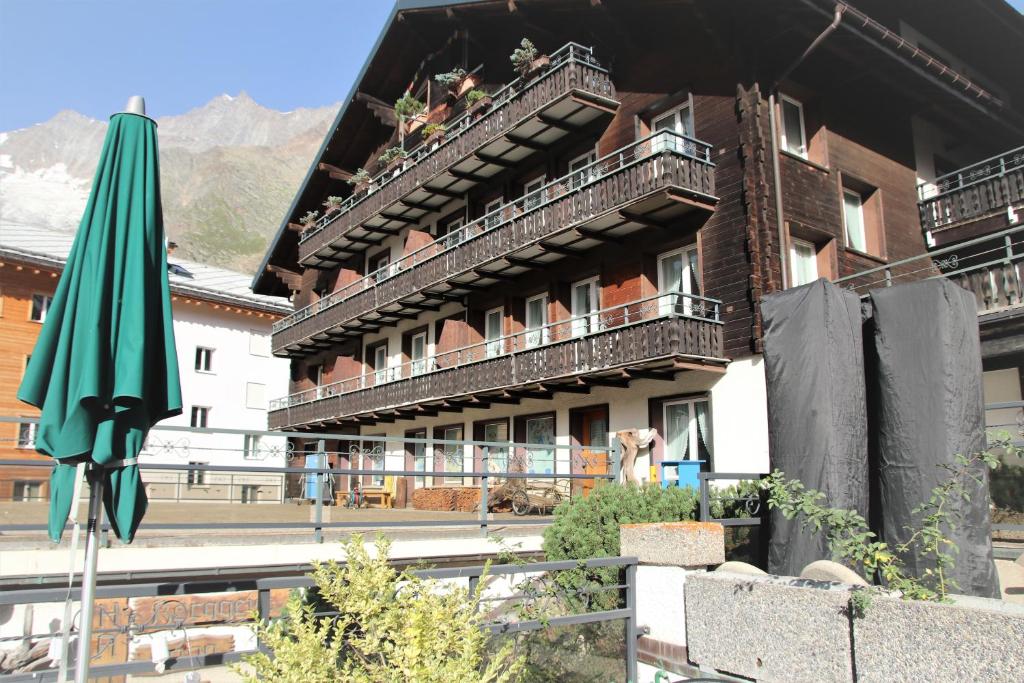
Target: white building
[[222, 334]]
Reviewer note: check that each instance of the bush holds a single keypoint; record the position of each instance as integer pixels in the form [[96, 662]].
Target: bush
[[474, 96], [407, 106], [432, 128], [381, 625], [589, 527]]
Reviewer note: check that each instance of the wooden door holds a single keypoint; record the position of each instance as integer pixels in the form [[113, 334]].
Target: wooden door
[[592, 433]]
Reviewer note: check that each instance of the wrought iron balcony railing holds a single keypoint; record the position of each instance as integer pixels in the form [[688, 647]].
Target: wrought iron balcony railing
[[628, 335], [663, 161], [573, 69], [973, 192]]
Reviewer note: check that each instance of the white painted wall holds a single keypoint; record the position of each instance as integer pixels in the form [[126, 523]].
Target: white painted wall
[[241, 356]]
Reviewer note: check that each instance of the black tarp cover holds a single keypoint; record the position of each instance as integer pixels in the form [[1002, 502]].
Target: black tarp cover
[[817, 425], [927, 407]]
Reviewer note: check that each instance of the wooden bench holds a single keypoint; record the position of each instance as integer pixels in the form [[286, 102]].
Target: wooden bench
[[380, 494]]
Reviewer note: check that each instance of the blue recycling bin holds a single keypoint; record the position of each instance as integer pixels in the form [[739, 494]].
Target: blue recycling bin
[[316, 460], [681, 473]]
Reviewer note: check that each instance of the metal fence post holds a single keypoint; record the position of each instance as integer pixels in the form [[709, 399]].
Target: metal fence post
[[705, 508], [616, 457], [484, 481], [318, 514], [632, 628], [263, 614]]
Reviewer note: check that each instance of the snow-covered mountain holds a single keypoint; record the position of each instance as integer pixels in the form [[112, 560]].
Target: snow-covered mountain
[[228, 172]]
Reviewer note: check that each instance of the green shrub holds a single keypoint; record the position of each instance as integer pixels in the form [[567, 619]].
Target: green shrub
[[474, 96], [390, 154], [432, 128], [451, 78], [407, 106]]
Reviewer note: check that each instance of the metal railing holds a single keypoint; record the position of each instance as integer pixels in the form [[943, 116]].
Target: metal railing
[[531, 477], [967, 176], [976, 192], [455, 127], [168, 609], [662, 142], [991, 267], [665, 304]]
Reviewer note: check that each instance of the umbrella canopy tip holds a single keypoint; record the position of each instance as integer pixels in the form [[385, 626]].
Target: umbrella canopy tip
[[136, 105]]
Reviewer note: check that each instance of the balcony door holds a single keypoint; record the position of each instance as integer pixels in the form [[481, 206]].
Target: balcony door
[[585, 305], [536, 320], [380, 363], [492, 213], [580, 170], [418, 354], [454, 234], [532, 194], [678, 276], [679, 121], [492, 331], [379, 266]]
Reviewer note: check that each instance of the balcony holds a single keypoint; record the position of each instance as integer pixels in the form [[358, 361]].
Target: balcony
[[647, 183], [977, 192], [524, 117], [648, 338]]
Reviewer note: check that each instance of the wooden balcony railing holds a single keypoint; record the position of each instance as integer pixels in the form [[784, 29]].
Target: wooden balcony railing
[[973, 192], [990, 267], [659, 162], [629, 335], [573, 69]]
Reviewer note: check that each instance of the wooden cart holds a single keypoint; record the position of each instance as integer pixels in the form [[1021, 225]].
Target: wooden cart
[[541, 496]]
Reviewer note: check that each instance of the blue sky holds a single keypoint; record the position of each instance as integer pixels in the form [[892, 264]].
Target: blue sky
[[90, 55]]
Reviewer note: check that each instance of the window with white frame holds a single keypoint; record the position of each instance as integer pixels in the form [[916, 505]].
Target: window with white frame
[[253, 447], [24, 491], [679, 121], [853, 217], [678, 277], [204, 359], [418, 354], [200, 416], [540, 433], [40, 305], [259, 343], [380, 364], [379, 266], [496, 432], [453, 454], [803, 262], [454, 234], [493, 324], [585, 305], [27, 434], [792, 131], [536, 320], [255, 396], [492, 213], [196, 477], [581, 171], [531, 191], [688, 429]]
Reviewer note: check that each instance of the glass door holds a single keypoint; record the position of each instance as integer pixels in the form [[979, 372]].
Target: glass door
[[584, 307], [418, 354], [497, 457], [492, 331], [541, 431], [380, 364], [536, 320], [580, 170], [678, 121], [678, 275]]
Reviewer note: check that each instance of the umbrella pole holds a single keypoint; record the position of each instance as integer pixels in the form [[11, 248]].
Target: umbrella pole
[[92, 546]]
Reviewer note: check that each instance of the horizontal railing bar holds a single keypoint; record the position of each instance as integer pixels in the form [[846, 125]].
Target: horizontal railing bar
[[731, 475], [568, 620], [967, 170]]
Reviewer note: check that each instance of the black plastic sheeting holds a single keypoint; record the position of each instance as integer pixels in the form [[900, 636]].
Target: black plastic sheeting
[[817, 424], [926, 407]]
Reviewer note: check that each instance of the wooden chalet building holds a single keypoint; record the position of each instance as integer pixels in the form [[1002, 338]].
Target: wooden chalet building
[[583, 250]]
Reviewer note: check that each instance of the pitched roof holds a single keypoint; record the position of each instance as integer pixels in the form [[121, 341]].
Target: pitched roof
[[48, 247]]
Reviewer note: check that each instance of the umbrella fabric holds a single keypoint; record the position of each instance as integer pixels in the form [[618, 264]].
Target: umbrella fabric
[[104, 369]]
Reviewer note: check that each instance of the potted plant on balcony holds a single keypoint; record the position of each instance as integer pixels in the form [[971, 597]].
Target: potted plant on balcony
[[433, 133], [477, 102], [410, 112], [309, 219], [527, 62], [392, 158], [360, 180], [332, 205]]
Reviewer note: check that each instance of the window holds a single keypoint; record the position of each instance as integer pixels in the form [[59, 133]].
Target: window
[[533, 197], [26, 491], [255, 396], [418, 354], [584, 307], [793, 133], [252, 449], [452, 453], [581, 170], [379, 266], [688, 430], [27, 435], [803, 262], [536, 320], [678, 275], [380, 364], [419, 456], [259, 343], [454, 234], [853, 215], [196, 477], [204, 359], [250, 493], [373, 459], [200, 416], [541, 431], [40, 305], [497, 458], [492, 213], [493, 321], [678, 121]]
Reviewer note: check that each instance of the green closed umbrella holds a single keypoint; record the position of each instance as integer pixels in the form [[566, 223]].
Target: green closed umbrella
[[104, 369]]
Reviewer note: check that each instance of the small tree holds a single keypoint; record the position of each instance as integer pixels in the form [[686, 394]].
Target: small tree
[[450, 79], [474, 96], [309, 218], [359, 177], [522, 57], [381, 625]]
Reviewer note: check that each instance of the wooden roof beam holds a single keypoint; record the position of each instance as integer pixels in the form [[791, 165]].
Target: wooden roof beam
[[384, 112], [334, 172]]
